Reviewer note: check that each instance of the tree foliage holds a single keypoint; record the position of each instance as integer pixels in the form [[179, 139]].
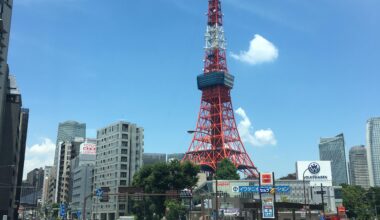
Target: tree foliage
[[356, 200], [175, 210], [227, 171], [160, 178], [373, 196]]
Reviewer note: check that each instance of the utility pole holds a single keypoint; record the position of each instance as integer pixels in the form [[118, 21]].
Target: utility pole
[[274, 197], [374, 203], [376, 211], [261, 200], [323, 201], [304, 190]]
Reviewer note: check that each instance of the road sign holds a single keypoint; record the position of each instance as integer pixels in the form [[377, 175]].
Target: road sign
[[79, 213], [99, 192], [62, 210]]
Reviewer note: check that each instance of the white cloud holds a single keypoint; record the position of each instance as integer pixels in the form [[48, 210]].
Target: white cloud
[[258, 138], [39, 155], [260, 51]]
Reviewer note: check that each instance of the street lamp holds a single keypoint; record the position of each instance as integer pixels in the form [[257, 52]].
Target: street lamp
[[216, 179], [304, 190]]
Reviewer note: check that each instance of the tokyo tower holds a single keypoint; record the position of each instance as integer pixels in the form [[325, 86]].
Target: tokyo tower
[[216, 136]]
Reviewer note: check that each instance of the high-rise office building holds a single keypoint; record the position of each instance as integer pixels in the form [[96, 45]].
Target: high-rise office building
[[63, 172], [24, 120], [152, 158], [31, 190], [359, 166], [36, 177], [70, 135], [82, 167], [45, 186], [333, 149], [373, 153], [68, 131], [51, 187], [68, 150], [119, 152], [12, 150], [13, 124], [5, 26]]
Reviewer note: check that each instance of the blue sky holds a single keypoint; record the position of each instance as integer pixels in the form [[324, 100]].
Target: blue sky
[[102, 61]]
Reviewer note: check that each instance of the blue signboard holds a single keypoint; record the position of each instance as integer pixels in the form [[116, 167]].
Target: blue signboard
[[263, 189], [282, 189], [62, 210], [79, 214], [99, 192], [268, 211]]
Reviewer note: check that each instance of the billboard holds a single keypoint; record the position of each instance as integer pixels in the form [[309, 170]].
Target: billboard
[[317, 172], [266, 179], [88, 148]]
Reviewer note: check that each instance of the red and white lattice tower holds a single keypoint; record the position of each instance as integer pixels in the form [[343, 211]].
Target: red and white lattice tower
[[216, 136]]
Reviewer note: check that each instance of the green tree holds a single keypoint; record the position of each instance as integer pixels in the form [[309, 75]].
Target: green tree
[[356, 202], [175, 210], [373, 196], [159, 178], [227, 171]]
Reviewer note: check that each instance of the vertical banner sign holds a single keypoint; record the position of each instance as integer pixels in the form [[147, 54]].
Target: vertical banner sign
[[267, 199], [268, 207]]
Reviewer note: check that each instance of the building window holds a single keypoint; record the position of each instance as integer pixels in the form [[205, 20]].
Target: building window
[[124, 143], [123, 166], [123, 182], [124, 159], [124, 151], [123, 174]]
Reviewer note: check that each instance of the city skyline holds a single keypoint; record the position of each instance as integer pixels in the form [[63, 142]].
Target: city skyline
[[299, 89]]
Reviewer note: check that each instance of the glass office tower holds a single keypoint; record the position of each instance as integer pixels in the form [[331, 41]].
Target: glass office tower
[[68, 131], [359, 166], [332, 149], [373, 144]]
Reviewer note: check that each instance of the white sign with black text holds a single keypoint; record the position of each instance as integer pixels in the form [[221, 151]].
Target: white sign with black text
[[317, 172]]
